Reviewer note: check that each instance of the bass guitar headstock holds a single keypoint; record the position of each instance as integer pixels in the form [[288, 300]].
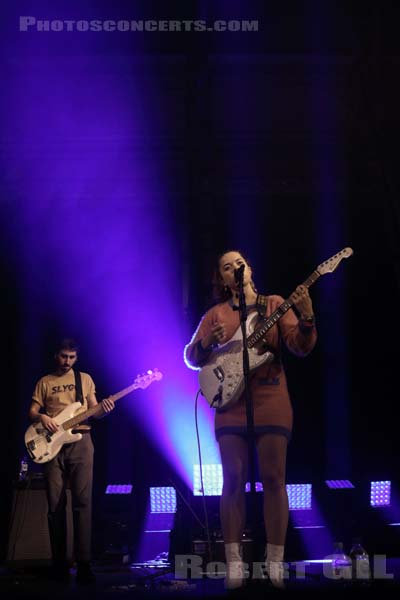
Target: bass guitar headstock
[[144, 380]]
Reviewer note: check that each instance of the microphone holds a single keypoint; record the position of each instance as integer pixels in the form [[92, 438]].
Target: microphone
[[239, 274]]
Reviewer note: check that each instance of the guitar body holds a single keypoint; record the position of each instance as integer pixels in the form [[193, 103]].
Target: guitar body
[[221, 379], [43, 445]]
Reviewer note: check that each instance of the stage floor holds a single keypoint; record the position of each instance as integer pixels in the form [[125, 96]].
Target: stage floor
[[158, 581]]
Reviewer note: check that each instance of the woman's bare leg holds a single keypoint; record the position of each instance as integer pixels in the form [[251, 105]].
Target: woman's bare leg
[[234, 458]]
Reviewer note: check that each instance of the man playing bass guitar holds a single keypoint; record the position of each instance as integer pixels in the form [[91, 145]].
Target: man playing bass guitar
[[74, 462]]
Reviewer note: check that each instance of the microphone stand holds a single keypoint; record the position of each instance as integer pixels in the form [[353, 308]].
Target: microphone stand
[[249, 411]]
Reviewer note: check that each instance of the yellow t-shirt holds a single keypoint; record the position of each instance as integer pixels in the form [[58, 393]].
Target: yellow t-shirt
[[55, 392]]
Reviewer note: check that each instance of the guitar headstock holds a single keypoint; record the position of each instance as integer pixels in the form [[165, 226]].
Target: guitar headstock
[[144, 380], [328, 266]]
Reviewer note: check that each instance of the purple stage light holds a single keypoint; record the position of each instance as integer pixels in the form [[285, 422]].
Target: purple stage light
[[92, 187], [335, 484], [159, 520], [212, 480], [300, 496], [313, 528], [380, 493], [162, 500], [173, 417], [259, 486], [119, 489]]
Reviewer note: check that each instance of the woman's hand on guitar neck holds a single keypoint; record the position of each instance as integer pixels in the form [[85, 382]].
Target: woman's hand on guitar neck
[[301, 299]]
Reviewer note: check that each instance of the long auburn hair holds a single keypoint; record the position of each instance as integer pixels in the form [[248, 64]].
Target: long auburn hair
[[220, 292]]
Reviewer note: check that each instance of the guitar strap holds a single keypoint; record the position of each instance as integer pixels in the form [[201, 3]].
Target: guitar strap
[[81, 428], [78, 386], [261, 304]]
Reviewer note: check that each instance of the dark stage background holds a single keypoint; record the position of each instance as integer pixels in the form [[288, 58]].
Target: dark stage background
[[281, 142]]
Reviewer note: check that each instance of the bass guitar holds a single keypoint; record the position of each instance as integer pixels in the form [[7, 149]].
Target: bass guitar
[[221, 379], [43, 445]]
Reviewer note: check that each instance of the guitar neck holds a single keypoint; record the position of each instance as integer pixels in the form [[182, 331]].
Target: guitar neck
[[96, 409], [259, 333]]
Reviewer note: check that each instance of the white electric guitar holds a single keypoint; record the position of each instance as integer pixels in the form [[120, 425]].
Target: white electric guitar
[[43, 445], [221, 379]]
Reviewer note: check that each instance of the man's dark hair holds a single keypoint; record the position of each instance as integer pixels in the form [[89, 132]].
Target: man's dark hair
[[67, 344]]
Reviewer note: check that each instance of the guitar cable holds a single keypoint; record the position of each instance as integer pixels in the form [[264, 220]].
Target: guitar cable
[[207, 529]]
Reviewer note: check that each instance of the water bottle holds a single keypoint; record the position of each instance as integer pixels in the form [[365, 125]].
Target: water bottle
[[341, 563], [361, 570], [23, 469]]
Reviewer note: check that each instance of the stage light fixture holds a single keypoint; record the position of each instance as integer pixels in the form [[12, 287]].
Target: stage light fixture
[[300, 496], [125, 488], [339, 484], [212, 480], [162, 500], [380, 493]]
